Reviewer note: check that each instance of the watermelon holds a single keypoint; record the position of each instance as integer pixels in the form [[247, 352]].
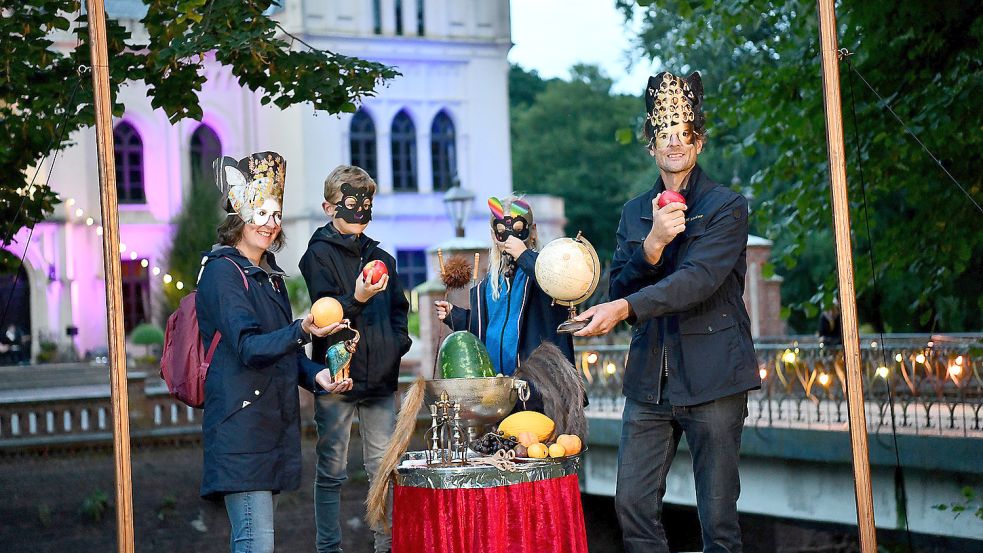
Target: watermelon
[[462, 355]]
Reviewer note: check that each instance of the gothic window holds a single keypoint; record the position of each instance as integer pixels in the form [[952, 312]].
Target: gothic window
[[377, 17], [136, 293], [404, 153], [442, 151], [129, 164], [398, 6], [362, 142], [420, 26], [412, 268], [205, 148]]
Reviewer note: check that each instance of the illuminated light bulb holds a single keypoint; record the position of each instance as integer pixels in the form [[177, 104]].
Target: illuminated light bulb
[[796, 351], [873, 345], [959, 360], [144, 263], [763, 373], [179, 285], [592, 357], [883, 372], [610, 368], [824, 379], [79, 212], [955, 370], [122, 247], [898, 358], [70, 202], [155, 271], [89, 221], [788, 356], [930, 344], [920, 358], [99, 230], [133, 256], [168, 278]]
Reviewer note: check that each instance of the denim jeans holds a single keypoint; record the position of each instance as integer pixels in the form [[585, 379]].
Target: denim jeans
[[650, 435], [251, 515], [333, 415]]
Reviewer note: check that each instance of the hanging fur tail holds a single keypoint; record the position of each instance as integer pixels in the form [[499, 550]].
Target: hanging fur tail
[[553, 377], [378, 497]]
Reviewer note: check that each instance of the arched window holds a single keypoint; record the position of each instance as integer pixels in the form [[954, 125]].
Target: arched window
[[362, 142], [404, 153], [398, 7], [129, 164], [443, 152], [205, 148], [376, 17], [420, 26]]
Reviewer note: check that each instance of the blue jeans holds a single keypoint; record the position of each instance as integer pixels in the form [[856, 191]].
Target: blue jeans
[[650, 434], [251, 515], [333, 415]]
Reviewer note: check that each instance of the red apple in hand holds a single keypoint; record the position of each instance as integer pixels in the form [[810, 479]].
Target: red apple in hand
[[669, 197], [373, 271]]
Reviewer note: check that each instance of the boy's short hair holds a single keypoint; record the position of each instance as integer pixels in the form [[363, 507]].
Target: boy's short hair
[[351, 174]]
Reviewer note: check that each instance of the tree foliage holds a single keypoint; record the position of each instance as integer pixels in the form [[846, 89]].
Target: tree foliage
[[760, 61], [564, 143], [44, 97]]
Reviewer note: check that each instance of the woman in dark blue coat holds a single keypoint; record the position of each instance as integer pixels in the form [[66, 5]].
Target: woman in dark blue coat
[[251, 428]]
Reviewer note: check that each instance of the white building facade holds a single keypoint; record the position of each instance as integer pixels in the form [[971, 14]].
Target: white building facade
[[446, 117]]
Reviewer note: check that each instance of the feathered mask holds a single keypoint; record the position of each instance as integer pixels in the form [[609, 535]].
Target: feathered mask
[[248, 183], [513, 218]]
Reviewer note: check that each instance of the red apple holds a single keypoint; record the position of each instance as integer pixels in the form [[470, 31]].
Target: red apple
[[669, 197], [373, 271]]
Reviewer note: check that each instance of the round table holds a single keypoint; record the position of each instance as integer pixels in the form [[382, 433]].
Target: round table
[[483, 509]]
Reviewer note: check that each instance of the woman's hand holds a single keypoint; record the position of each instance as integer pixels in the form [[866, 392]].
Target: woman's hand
[[364, 291], [513, 246], [443, 309], [308, 326], [326, 381]]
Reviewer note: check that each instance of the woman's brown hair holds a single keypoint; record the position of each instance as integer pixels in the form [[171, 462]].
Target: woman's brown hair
[[231, 229]]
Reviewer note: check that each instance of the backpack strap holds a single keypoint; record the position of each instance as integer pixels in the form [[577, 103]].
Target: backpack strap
[[212, 346], [218, 335], [241, 273]]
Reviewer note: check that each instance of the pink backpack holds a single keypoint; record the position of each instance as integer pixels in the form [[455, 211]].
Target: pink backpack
[[184, 363]]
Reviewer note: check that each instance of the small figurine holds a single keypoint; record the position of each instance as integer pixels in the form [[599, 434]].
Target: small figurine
[[339, 356]]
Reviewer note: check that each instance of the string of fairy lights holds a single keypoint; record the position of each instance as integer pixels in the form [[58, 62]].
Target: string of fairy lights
[[156, 271]]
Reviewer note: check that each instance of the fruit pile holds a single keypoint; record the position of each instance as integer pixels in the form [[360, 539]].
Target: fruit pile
[[533, 431], [492, 442]]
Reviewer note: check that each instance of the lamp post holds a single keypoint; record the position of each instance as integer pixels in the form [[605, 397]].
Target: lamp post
[[458, 202]]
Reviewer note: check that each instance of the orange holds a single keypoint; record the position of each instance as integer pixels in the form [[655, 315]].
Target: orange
[[557, 450], [570, 443], [537, 451], [327, 311]]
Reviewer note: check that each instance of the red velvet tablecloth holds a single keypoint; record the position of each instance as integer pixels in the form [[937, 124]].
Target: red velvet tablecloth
[[543, 516]]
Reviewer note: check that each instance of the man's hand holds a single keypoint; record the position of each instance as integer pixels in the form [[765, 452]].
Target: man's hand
[[364, 291], [308, 326], [325, 380], [666, 222], [603, 317], [443, 309], [512, 246]]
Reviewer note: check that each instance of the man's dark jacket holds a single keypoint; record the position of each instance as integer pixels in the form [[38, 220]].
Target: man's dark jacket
[[330, 266], [538, 316], [699, 292], [251, 426]]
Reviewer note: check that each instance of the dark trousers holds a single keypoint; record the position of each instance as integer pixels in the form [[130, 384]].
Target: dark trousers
[[649, 437]]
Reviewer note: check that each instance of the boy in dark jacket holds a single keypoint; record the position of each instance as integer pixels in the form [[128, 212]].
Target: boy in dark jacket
[[332, 266]]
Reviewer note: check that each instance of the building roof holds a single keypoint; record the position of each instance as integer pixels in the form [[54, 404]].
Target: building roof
[[753, 240]]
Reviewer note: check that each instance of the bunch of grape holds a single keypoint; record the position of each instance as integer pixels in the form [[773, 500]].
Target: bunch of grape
[[492, 442]]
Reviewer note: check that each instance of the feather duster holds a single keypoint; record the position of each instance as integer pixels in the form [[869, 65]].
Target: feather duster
[[456, 272], [553, 377], [377, 501]]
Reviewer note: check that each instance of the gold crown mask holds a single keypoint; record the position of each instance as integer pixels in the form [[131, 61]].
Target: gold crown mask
[[248, 183], [671, 100]]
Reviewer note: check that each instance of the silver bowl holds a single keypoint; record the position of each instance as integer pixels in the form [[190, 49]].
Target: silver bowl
[[483, 401]]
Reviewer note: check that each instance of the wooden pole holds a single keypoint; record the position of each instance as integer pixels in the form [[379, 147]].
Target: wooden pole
[[844, 263], [110, 253]]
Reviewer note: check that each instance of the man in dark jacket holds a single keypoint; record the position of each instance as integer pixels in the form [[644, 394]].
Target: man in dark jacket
[[332, 266], [678, 277]]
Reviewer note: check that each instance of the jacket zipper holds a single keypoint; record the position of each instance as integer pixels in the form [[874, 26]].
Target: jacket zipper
[[665, 371], [501, 338]]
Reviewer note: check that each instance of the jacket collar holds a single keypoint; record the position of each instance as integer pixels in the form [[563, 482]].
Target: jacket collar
[[359, 247]]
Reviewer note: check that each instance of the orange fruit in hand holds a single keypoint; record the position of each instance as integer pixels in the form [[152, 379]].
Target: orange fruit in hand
[[570, 443], [557, 450], [537, 451], [327, 311]]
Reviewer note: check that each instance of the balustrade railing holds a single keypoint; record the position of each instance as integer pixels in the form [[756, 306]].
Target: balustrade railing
[[931, 385]]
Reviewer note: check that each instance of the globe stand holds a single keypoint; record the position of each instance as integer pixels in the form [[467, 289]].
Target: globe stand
[[572, 325]]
